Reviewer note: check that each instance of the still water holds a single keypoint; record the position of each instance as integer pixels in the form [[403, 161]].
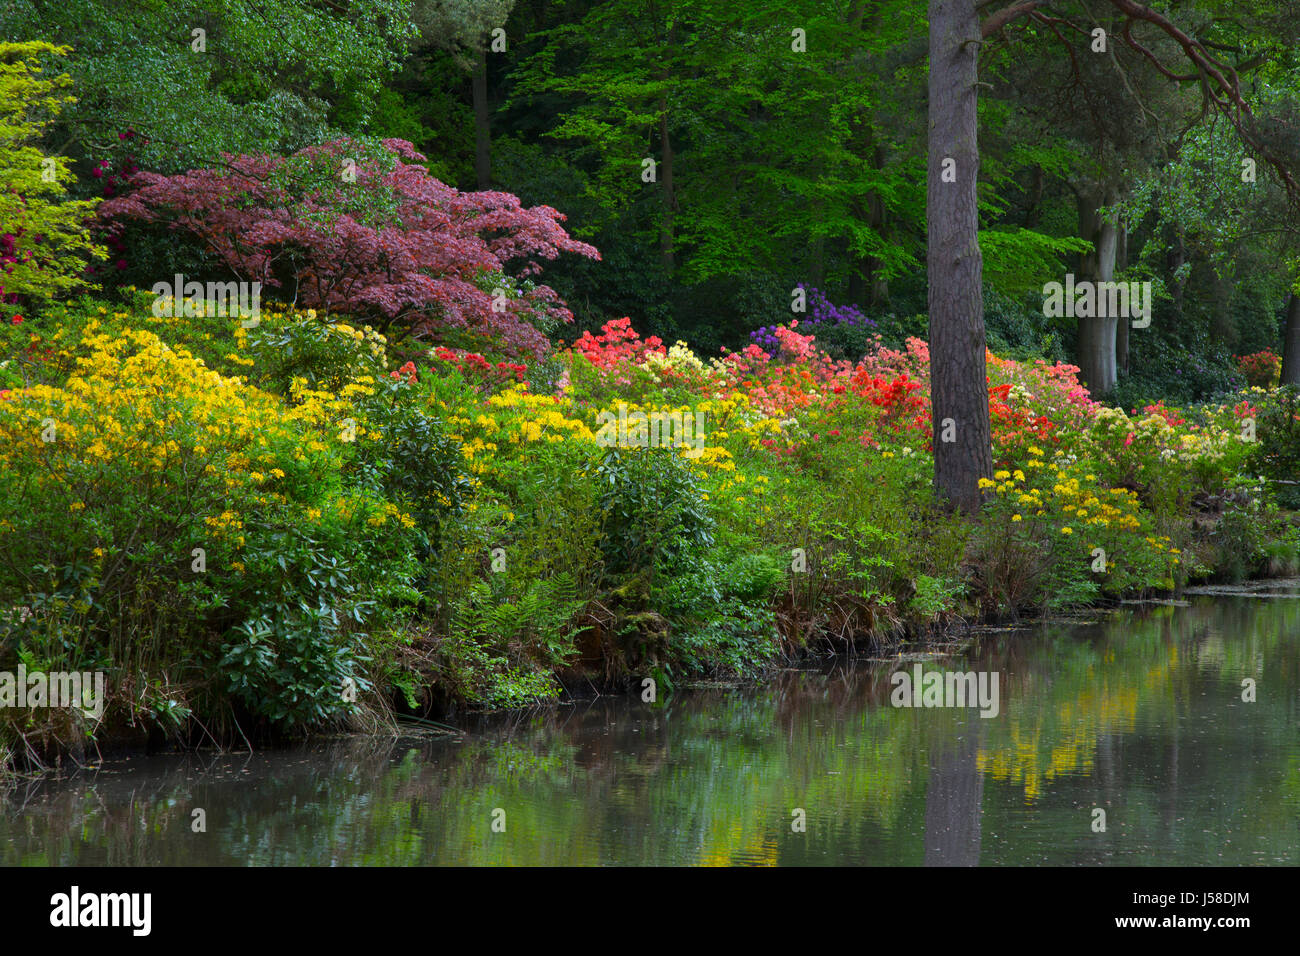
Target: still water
[[1141, 716]]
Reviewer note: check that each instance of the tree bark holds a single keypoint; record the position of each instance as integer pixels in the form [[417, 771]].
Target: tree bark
[[958, 378], [482, 127], [1097, 334], [1291, 343], [1174, 261], [817, 262], [1034, 206], [1122, 330]]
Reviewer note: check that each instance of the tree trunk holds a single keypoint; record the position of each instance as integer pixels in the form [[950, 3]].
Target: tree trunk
[[958, 379], [1221, 327], [1034, 205], [877, 288], [1122, 329], [1097, 354], [482, 129], [817, 263], [1291, 343], [954, 800], [1097, 334]]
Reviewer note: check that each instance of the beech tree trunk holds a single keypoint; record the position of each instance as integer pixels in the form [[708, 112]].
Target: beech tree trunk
[[482, 128], [1291, 343], [1097, 334], [963, 451]]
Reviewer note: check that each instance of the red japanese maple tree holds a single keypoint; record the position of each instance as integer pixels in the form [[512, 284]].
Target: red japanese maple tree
[[359, 227]]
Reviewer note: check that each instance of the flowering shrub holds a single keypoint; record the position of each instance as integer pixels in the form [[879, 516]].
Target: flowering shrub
[[843, 331], [350, 226], [1261, 368], [1276, 453], [823, 418], [1057, 536], [218, 548], [430, 522], [163, 515]]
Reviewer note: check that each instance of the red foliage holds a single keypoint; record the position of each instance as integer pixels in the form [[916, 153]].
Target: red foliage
[[390, 244]]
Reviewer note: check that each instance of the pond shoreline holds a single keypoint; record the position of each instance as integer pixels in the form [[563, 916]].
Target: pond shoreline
[[940, 642], [1143, 715]]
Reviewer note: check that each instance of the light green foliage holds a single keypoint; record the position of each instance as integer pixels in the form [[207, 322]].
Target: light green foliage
[[265, 80], [51, 241]]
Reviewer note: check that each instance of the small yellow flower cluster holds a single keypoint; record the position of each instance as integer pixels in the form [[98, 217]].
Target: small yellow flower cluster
[[381, 514], [715, 456], [1080, 501]]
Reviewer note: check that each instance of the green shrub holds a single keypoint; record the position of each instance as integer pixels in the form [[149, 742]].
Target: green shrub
[[1277, 453], [215, 547]]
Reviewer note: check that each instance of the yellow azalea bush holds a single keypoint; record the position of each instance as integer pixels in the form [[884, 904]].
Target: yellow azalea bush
[[1056, 535], [216, 547]]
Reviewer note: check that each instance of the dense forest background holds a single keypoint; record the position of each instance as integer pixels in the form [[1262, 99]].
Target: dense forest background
[[721, 156]]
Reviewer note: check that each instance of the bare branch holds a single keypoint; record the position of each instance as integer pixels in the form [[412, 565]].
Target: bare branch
[[1004, 16], [1216, 88]]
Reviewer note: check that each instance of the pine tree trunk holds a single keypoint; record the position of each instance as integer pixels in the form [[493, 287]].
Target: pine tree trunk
[[958, 383]]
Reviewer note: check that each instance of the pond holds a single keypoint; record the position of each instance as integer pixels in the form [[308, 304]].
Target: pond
[[1145, 716]]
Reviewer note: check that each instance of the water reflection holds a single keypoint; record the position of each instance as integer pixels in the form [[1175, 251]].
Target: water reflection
[[1141, 716]]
